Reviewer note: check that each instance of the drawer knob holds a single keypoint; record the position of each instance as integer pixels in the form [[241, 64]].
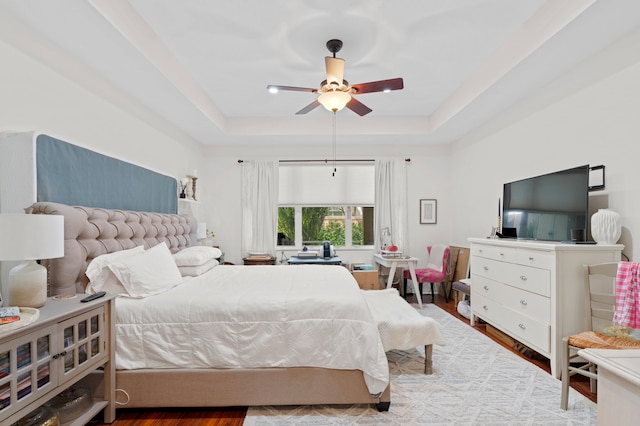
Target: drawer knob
[[522, 326], [523, 302], [501, 254], [486, 268], [531, 258], [485, 307], [486, 287], [523, 278]]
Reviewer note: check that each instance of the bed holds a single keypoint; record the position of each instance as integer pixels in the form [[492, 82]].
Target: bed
[[299, 335]]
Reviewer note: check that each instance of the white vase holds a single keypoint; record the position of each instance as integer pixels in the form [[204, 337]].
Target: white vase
[[605, 226]]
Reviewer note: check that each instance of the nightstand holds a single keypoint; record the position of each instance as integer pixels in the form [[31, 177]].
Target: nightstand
[[67, 342]]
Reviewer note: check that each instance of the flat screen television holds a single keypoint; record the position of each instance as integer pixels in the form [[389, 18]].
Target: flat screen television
[[550, 207]]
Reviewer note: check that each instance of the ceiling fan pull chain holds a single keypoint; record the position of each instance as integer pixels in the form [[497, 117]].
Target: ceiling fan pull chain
[[334, 144]]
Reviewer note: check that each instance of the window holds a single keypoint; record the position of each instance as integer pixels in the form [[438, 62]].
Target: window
[[315, 206], [343, 226]]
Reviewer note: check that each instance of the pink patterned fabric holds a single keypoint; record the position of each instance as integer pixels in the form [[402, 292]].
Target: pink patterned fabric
[[428, 275], [628, 295]]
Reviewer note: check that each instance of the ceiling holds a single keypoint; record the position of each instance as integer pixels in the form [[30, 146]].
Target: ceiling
[[202, 66]]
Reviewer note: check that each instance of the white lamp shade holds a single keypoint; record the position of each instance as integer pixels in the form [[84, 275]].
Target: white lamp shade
[[202, 230], [334, 101], [31, 236]]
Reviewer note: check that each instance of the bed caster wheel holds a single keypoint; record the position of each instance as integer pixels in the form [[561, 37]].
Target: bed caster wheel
[[383, 406]]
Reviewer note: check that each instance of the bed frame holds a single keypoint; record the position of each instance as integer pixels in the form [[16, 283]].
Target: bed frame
[[90, 232]]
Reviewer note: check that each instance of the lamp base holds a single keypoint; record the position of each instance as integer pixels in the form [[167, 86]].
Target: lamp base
[[28, 285]]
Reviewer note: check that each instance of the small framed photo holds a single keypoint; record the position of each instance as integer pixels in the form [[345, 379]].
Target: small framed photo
[[428, 211]]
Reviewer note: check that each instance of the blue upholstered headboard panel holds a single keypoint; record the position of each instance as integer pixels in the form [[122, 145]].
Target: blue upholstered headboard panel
[[72, 175]]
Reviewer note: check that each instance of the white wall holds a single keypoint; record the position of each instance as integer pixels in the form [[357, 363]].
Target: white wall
[[599, 124], [35, 98]]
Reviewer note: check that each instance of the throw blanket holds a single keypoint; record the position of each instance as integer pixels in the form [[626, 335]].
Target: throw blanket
[[400, 325], [628, 295]]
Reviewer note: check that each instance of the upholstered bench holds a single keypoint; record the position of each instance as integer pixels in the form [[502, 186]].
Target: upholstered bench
[[401, 326]]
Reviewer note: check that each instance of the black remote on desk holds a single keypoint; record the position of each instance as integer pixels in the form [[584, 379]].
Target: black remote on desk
[[94, 296]]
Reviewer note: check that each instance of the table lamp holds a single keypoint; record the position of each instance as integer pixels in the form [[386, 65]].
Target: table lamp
[[29, 237]]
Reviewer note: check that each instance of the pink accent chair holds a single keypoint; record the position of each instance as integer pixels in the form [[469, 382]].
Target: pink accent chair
[[435, 272]]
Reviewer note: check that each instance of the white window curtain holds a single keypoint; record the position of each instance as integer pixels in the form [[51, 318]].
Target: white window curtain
[[391, 201], [259, 206]]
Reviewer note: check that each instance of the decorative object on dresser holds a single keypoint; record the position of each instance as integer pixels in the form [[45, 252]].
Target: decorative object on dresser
[[529, 289], [606, 227], [428, 211], [28, 237]]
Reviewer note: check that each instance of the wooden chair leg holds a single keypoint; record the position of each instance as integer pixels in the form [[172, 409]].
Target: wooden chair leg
[[564, 374], [404, 288], [433, 294], [428, 359]]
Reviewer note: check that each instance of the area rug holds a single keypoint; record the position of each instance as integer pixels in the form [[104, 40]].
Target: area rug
[[475, 381]]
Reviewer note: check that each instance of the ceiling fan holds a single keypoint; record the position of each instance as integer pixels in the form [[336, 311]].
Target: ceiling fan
[[335, 92]]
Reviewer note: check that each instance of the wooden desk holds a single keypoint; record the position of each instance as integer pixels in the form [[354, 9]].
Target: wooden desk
[[392, 263], [618, 384]]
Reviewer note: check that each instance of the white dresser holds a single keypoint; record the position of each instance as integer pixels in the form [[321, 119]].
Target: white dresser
[[533, 291]]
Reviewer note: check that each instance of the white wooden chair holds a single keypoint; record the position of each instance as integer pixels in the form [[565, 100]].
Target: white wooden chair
[[600, 307]]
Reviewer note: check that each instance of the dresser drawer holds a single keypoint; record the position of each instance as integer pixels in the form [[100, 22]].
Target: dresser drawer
[[531, 279], [527, 330], [527, 278], [521, 327], [505, 254], [524, 302], [536, 258]]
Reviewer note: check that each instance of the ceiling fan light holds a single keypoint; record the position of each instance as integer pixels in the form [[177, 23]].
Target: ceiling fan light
[[334, 101], [335, 70]]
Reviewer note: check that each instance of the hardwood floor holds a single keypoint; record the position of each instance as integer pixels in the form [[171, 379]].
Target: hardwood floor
[[235, 416]]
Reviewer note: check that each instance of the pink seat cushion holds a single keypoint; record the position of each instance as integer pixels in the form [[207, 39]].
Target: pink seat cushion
[[425, 275], [429, 275]]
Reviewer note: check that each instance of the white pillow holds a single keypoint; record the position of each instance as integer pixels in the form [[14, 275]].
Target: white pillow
[[148, 273], [101, 277], [196, 255], [194, 271]]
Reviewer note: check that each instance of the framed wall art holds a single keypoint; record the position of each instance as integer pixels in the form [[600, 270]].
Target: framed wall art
[[428, 211]]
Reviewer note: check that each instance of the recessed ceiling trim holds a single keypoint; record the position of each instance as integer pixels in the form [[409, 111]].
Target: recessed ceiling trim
[[550, 19], [128, 22]]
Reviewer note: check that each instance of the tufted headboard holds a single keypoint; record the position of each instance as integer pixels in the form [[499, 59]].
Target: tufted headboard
[[90, 232]]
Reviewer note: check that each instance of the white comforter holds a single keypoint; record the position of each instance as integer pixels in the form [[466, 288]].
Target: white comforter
[[254, 317]]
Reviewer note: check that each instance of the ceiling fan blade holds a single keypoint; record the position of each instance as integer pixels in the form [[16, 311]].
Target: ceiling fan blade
[[276, 88], [379, 86], [309, 107], [358, 107], [335, 70]]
